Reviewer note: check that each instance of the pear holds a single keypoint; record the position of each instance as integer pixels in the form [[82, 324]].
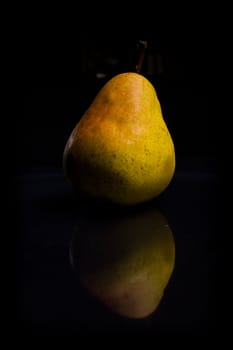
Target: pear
[[121, 149], [125, 262]]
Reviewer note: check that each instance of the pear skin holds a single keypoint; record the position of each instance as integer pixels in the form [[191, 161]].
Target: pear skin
[[125, 263], [121, 149]]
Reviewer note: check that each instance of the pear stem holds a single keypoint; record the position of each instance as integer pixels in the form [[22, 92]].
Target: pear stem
[[142, 45]]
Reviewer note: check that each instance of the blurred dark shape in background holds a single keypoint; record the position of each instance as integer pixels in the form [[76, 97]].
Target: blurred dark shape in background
[[175, 63]]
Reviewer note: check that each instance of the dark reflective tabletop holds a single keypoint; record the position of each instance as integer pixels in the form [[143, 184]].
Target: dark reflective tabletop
[[75, 259]]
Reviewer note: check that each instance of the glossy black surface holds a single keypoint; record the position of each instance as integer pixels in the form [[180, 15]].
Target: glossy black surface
[[50, 299]]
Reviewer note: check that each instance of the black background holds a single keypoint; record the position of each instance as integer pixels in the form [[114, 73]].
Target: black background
[[52, 110], [59, 82]]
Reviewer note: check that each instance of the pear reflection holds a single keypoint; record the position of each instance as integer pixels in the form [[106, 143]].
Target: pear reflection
[[125, 260]]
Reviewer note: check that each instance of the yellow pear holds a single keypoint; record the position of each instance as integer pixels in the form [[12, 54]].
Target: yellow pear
[[121, 149], [125, 262]]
